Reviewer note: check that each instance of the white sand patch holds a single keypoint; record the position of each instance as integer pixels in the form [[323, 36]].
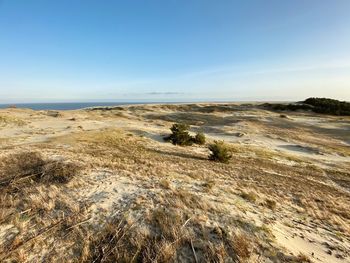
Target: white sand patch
[[107, 190], [314, 245]]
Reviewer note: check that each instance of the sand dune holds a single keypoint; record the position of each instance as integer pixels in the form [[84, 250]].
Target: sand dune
[[283, 197]]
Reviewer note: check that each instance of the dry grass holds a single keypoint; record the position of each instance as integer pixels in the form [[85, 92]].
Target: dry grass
[[271, 204], [303, 259], [183, 208], [275, 181], [170, 232], [10, 120], [17, 169], [115, 150], [19, 166], [250, 196], [208, 185], [30, 198], [125, 241], [242, 246]]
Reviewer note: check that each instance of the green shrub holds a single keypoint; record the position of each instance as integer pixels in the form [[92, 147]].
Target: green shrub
[[180, 135], [318, 105], [179, 128], [219, 152], [199, 138]]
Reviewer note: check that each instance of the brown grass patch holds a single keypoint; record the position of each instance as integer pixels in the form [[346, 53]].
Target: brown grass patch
[[17, 169], [165, 235], [250, 196], [271, 204], [32, 202], [10, 120], [242, 246]]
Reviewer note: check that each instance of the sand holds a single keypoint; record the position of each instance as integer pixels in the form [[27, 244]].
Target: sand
[[298, 226]]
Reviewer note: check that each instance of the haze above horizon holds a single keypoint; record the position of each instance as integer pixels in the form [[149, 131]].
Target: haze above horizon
[[65, 51]]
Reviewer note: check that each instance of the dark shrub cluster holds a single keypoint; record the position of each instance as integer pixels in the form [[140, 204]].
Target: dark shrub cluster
[[219, 152], [329, 106], [318, 105], [181, 136], [288, 107]]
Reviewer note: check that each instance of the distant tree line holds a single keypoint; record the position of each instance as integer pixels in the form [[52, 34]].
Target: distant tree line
[[318, 105], [329, 106]]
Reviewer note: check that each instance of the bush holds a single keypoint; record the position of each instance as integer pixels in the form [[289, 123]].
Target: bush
[[199, 138], [181, 136], [219, 152], [179, 128], [329, 106], [318, 105]]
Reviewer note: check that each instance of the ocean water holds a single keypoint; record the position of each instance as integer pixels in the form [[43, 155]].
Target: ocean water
[[65, 106]]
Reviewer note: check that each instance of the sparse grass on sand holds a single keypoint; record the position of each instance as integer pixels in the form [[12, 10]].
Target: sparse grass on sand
[[10, 120], [110, 195]]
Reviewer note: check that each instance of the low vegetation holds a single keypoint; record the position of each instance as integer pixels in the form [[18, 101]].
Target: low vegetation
[[170, 232], [250, 196], [199, 138], [219, 152], [31, 166], [269, 203], [317, 105], [181, 136], [288, 107], [33, 203], [329, 106], [141, 200], [9, 120]]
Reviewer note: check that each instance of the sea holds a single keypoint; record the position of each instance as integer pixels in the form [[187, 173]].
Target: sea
[[66, 105], [82, 105]]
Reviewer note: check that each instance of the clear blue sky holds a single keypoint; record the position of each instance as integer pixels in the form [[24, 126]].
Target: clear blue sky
[[173, 50]]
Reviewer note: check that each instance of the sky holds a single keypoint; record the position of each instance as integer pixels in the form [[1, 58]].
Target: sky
[[173, 50]]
